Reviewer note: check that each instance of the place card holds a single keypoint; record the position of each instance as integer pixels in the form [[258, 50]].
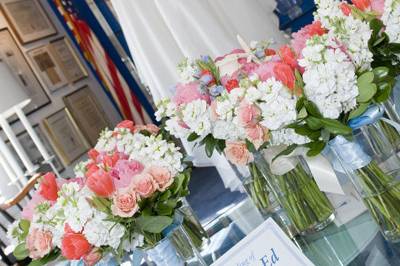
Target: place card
[[267, 245]]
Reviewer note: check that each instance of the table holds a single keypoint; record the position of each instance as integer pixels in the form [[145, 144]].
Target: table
[[356, 243]]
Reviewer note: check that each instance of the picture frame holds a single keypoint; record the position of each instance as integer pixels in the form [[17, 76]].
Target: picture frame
[[33, 152], [65, 136], [87, 112], [47, 67], [28, 20], [13, 56], [68, 60]]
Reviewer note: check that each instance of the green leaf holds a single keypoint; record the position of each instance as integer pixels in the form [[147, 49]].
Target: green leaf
[[312, 109], [300, 104], [192, 137], [315, 148], [335, 127], [304, 130], [153, 224], [384, 92], [287, 151], [366, 78], [314, 123], [24, 225], [21, 252], [250, 146], [178, 183], [380, 73], [101, 204], [366, 92], [46, 259], [376, 25], [166, 194], [358, 111], [220, 145], [210, 145]]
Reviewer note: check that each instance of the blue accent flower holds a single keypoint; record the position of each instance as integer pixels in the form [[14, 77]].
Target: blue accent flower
[[216, 90]]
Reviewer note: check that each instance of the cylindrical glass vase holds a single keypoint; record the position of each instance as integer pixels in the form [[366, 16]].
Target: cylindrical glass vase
[[176, 249], [306, 206], [373, 166]]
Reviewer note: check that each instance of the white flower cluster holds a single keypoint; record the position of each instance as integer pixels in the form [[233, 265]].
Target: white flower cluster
[[72, 208], [329, 76], [187, 70], [148, 150], [391, 19], [287, 136], [351, 32], [185, 119]]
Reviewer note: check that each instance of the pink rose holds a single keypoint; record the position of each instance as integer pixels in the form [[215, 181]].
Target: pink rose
[[39, 243], [124, 203], [151, 128], [237, 153], [257, 135], [265, 70], [128, 124], [92, 257], [248, 114], [186, 93], [162, 176], [300, 37], [144, 185], [124, 171], [29, 209]]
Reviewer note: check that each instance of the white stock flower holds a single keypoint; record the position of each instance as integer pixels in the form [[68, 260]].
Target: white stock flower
[[287, 137], [391, 19], [196, 115]]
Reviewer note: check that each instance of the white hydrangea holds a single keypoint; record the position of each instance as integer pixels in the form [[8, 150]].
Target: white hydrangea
[[353, 33], [197, 117], [279, 106], [391, 19], [100, 232], [228, 130], [329, 77], [287, 137], [165, 108]]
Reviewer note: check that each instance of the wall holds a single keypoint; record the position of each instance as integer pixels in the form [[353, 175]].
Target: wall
[[56, 97]]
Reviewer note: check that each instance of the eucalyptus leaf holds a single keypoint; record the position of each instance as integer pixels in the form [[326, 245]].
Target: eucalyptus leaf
[[335, 127], [21, 252], [380, 73], [366, 92], [153, 224], [358, 111]]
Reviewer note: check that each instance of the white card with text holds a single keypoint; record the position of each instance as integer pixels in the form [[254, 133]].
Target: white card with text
[[267, 245]]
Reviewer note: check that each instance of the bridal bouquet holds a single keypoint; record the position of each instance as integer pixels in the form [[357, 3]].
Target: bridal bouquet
[[125, 195]]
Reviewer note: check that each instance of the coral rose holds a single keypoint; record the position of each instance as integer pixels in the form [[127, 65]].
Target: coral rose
[[284, 73], [74, 246], [346, 10], [100, 182], [162, 176], [92, 257], [48, 188], [128, 124], [151, 128], [363, 5], [39, 243], [124, 203], [93, 153], [237, 153], [288, 56], [248, 114], [144, 185]]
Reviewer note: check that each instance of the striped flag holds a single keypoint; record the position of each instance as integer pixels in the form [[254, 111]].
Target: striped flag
[[101, 62]]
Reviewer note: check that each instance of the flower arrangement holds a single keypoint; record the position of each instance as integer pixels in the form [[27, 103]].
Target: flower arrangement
[[124, 196]]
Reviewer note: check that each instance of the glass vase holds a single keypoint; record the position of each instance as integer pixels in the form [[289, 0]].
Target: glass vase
[[192, 225], [257, 189], [306, 206], [176, 249], [370, 161]]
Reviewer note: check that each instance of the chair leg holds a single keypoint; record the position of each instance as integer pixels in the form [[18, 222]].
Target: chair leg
[[4, 257]]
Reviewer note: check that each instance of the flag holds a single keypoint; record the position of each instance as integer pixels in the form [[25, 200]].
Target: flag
[[101, 62]]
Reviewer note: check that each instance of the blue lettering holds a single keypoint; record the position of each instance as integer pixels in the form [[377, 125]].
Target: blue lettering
[[274, 257], [265, 260]]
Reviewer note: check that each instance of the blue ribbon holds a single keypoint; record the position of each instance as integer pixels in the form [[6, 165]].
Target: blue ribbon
[[396, 95], [370, 116]]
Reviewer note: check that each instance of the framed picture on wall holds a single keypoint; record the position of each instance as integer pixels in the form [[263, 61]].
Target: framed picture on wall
[[28, 20], [33, 152], [46, 65], [12, 55], [87, 113], [67, 140], [67, 59]]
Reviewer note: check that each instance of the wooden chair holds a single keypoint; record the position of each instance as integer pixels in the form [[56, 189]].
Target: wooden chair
[[4, 211]]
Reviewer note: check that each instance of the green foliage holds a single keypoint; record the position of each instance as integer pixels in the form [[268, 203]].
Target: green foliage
[[153, 224], [287, 151], [192, 137], [21, 252], [210, 66], [46, 259]]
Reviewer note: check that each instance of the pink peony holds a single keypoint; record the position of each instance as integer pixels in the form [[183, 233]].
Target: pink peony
[[124, 203], [237, 153], [248, 114], [145, 185], [300, 37], [186, 93], [162, 176], [124, 171], [29, 209], [39, 243], [257, 135]]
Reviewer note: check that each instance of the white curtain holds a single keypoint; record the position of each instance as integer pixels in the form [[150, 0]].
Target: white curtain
[[160, 33]]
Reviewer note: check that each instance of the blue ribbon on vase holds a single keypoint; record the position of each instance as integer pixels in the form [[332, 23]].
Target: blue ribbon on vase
[[351, 153]]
